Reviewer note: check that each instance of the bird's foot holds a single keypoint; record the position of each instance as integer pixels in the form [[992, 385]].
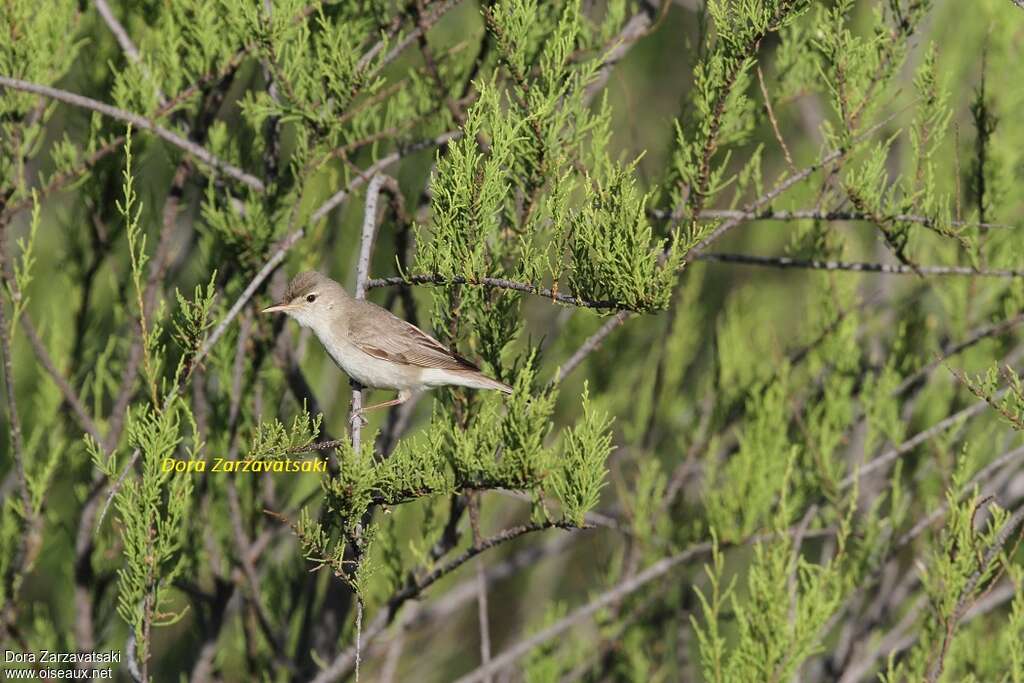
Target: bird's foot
[[358, 417]]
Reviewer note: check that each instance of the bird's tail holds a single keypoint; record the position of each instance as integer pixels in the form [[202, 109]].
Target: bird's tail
[[478, 380]]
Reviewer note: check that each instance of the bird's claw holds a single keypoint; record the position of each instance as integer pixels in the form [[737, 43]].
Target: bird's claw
[[358, 417]]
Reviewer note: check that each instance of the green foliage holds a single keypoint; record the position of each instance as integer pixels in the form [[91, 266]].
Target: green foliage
[[22, 267], [610, 243], [152, 508], [790, 430], [743, 492], [579, 482]]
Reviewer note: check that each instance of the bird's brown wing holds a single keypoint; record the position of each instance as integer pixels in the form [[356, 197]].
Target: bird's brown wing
[[393, 339]]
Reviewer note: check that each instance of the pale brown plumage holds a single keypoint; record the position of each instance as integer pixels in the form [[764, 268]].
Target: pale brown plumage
[[372, 345]]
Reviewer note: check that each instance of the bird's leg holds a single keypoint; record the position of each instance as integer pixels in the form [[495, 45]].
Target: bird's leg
[[403, 396]]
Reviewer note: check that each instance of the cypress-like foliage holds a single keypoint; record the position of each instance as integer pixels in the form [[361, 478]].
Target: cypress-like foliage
[[751, 268]]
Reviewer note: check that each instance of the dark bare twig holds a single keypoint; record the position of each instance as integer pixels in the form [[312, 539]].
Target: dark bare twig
[[982, 475], [409, 39], [836, 215], [496, 283], [465, 592], [786, 262], [781, 186], [975, 337]]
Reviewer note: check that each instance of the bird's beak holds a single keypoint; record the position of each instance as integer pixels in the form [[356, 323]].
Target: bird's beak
[[283, 306]]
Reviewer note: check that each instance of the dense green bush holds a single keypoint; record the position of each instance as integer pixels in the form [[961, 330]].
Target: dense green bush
[[753, 269]]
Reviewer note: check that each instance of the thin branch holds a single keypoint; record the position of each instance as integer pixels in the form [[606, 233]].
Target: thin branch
[[785, 262], [914, 441], [979, 335], [967, 594], [394, 653], [592, 342], [246, 558], [752, 208], [886, 645], [781, 186], [59, 180], [772, 119], [346, 659], [614, 594], [466, 591], [139, 122], [620, 591], [368, 235], [496, 283], [638, 26], [418, 586], [481, 585], [70, 397], [982, 476], [892, 646], [341, 195], [362, 276], [124, 40], [408, 40], [822, 215], [127, 46]]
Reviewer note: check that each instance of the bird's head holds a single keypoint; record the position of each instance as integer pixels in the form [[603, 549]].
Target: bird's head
[[312, 299]]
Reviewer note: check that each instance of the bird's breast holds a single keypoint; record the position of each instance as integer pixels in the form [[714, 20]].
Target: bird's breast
[[371, 371]]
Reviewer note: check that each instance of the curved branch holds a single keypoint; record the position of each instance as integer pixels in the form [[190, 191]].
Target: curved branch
[[138, 121]]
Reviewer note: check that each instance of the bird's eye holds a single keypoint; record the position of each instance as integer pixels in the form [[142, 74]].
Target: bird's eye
[[311, 298]]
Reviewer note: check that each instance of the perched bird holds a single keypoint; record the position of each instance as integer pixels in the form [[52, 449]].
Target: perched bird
[[373, 346]]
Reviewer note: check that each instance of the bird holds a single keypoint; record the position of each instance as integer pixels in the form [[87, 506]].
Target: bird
[[373, 346]]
